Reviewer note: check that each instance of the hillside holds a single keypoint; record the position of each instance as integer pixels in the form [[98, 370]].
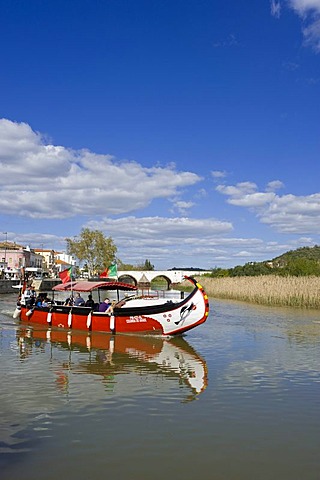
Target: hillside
[[304, 261], [309, 253]]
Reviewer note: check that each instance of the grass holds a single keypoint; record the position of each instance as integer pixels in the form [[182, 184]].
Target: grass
[[301, 292]]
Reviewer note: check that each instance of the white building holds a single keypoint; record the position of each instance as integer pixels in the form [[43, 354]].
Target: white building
[[63, 261]]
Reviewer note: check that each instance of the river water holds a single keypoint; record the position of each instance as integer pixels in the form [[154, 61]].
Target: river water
[[236, 399]]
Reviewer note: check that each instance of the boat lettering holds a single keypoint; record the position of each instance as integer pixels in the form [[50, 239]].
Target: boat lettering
[[136, 319]]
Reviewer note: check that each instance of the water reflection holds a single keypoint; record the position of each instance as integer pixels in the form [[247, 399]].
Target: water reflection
[[109, 357], [305, 334], [264, 349]]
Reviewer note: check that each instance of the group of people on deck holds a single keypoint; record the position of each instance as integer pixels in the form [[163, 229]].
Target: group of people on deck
[[105, 306], [31, 299]]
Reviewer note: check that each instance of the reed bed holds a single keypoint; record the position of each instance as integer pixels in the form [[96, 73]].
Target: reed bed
[[301, 292]]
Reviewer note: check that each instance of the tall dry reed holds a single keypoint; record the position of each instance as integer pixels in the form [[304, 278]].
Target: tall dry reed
[[302, 292]]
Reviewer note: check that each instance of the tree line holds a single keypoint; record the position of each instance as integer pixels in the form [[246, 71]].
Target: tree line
[[296, 267]]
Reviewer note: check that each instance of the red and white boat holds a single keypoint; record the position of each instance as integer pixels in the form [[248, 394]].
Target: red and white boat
[[131, 315]]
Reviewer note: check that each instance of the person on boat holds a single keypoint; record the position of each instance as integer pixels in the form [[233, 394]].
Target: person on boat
[[33, 295], [69, 301], [45, 302], [23, 299], [39, 300], [103, 307], [90, 303], [30, 297], [109, 310], [79, 301]]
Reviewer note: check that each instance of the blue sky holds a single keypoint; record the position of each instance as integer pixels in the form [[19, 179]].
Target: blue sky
[[188, 131]]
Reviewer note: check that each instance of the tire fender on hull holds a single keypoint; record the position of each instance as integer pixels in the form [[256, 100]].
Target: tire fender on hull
[[17, 313]]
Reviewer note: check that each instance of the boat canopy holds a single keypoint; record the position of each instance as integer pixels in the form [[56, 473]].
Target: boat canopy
[[89, 286]]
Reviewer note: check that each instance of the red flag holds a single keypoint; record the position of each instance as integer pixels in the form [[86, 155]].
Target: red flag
[[104, 274], [66, 275], [110, 271]]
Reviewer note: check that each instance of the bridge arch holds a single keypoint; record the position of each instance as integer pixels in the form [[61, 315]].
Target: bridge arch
[[123, 277], [164, 277]]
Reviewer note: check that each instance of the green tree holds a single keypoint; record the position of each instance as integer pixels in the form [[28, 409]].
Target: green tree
[[147, 265], [125, 266], [299, 267], [218, 272], [93, 248]]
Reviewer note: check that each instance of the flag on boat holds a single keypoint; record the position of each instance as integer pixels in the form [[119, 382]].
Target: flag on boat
[[65, 275], [111, 271]]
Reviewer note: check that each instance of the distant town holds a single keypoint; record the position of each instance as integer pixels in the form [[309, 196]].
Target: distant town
[[38, 261]]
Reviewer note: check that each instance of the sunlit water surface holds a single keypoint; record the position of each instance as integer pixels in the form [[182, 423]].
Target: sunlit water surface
[[237, 398]]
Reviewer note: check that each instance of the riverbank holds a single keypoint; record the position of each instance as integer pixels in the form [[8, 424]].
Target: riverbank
[[301, 292], [43, 285]]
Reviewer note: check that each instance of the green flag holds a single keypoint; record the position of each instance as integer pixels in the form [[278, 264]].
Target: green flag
[[112, 270]]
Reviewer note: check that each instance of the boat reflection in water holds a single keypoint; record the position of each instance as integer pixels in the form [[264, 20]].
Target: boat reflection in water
[[112, 356]]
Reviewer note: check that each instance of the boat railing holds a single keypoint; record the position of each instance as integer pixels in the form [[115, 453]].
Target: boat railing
[[157, 294]]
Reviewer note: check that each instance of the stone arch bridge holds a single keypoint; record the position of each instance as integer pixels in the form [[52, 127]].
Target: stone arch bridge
[[143, 278]]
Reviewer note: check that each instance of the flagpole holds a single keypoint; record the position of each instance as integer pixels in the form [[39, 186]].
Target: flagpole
[[71, 281]]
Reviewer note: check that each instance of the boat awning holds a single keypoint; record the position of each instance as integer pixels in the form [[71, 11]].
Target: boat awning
[[89, 286]]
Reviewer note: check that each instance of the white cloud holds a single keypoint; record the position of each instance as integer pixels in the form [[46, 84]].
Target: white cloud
[[238, 190], [274, 185], [286, 214], [182, 241], [229, 41], [243, 254], [182, 206], [162, 230], [275, 8], [312, 35], [253, 200], [302, 7], [309, 11], [218, 174], [245, 195], [202, 193], [48, 181], [293, 214], [169, 242]]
